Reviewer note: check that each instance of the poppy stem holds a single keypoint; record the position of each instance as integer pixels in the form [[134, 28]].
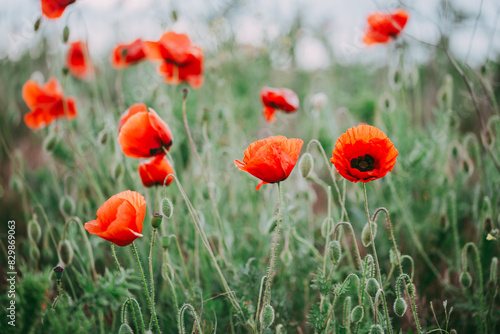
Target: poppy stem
[[274, 246], [153, 311], [377, 265], [151, 277]]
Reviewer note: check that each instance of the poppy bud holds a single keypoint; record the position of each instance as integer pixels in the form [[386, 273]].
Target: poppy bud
[[37, 24], [493, 269], [65, 251], [103, 137], [488, 224], [387, 102], [267, 317], [465, 279], [357, 314], [335, 251], [372, 287], [347, 311], [58, 271], [272, 225], [65, 71], [156, 220], [67, 206], [174, 15], [16, 184], [50, 142], [287, 257], [365, 234], [376, 329], [453, 331], [65, 34], [34, 230], [117, 171], [306, 164], [167, 208], [165, 242], [125, 329], [400, 307]]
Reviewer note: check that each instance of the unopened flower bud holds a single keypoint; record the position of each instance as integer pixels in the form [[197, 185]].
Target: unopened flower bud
[[50, 142], [58, 271], [365, 234], [376, 329], [125, 329], [156, 220], [287, 257], [16, 184], [103, 137], [34, 230], [357, 314], [465, 279], [488, 224], [335, 251], [65, 251], [65, 71], [67, 205], [174, 15], [65, 34], [267, 317], [117, 171], [453, 331], [167, 208], [372, 287], [400, 307], [37, 24], [306, 164], [493, 269]]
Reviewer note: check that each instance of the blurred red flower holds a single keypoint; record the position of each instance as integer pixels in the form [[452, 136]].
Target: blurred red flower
[[120, 218], [271, 159], [364, 153], [273, 99], [181, 61], [53, 9], [142, 133], [155, 170], [384, 26], [125, 55], [78, 61], [47, 103]]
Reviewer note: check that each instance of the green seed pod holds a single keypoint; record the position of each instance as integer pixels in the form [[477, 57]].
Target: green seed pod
[[400, 307], [465, 279], [67, 206], [306, 164], [165, 241], [167, 208], [376, 329], [58, 271], [335, 251], [267, 317], [372, 287], [65, 252], [125, 329], [65, 34], [50, 142], [493, 269], [365, 234], [37, 24], [156, 220], [34, 230], [357, 314]]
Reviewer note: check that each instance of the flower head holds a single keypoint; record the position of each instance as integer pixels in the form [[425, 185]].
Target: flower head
[[142, 133], [382, 27], [53, 9], [125, 55], [120, 218], [47, 103], [155, 170], [78, 61], [181, 61], [271, 159], [364, 153], [273, 99]]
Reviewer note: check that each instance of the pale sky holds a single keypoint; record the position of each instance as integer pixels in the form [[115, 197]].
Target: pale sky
[[106, 22]]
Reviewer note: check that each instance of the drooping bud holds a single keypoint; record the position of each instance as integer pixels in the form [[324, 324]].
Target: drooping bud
[[357, 314], [65, 34], [272, 225], [103, 137], [37, 24], [117, 171], [174, 15], [267, 317], [287, 257], [335, 251], [493, 269], [125, 329], [67, 205], [347, 311], [465, 279], [306, 164], [376, 329], [167, 208], [488, 224], [365, 234], [58, 271], [400, 307], [65, 251], [16, 184], [50, 142], [372, 287], [453, 331], [156, 220], [34, 230]]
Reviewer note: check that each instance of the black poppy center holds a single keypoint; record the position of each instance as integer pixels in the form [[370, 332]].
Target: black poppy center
[[363, 163]]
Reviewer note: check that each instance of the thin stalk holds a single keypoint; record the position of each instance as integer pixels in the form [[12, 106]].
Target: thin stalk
[[151, 277], [183, 263], [167, 277], [484, 324]]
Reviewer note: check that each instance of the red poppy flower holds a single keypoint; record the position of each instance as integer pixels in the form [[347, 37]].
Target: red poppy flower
[[142, 133], [154, 171], [120, 218], [283, 99], [78, 61], [364, 153], [125, 55], [182, 61], [271, 159], [53, 9], [47, 103], [384, 26]]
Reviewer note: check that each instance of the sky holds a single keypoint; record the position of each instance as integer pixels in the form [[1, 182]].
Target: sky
[[106, 22]]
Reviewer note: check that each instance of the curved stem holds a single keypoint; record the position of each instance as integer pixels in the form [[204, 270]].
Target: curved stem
[[414, 308], [85, 238], [358, 255], [180, 318], [482, 300]]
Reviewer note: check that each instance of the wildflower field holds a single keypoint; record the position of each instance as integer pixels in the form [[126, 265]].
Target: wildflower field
[[171, 185]]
